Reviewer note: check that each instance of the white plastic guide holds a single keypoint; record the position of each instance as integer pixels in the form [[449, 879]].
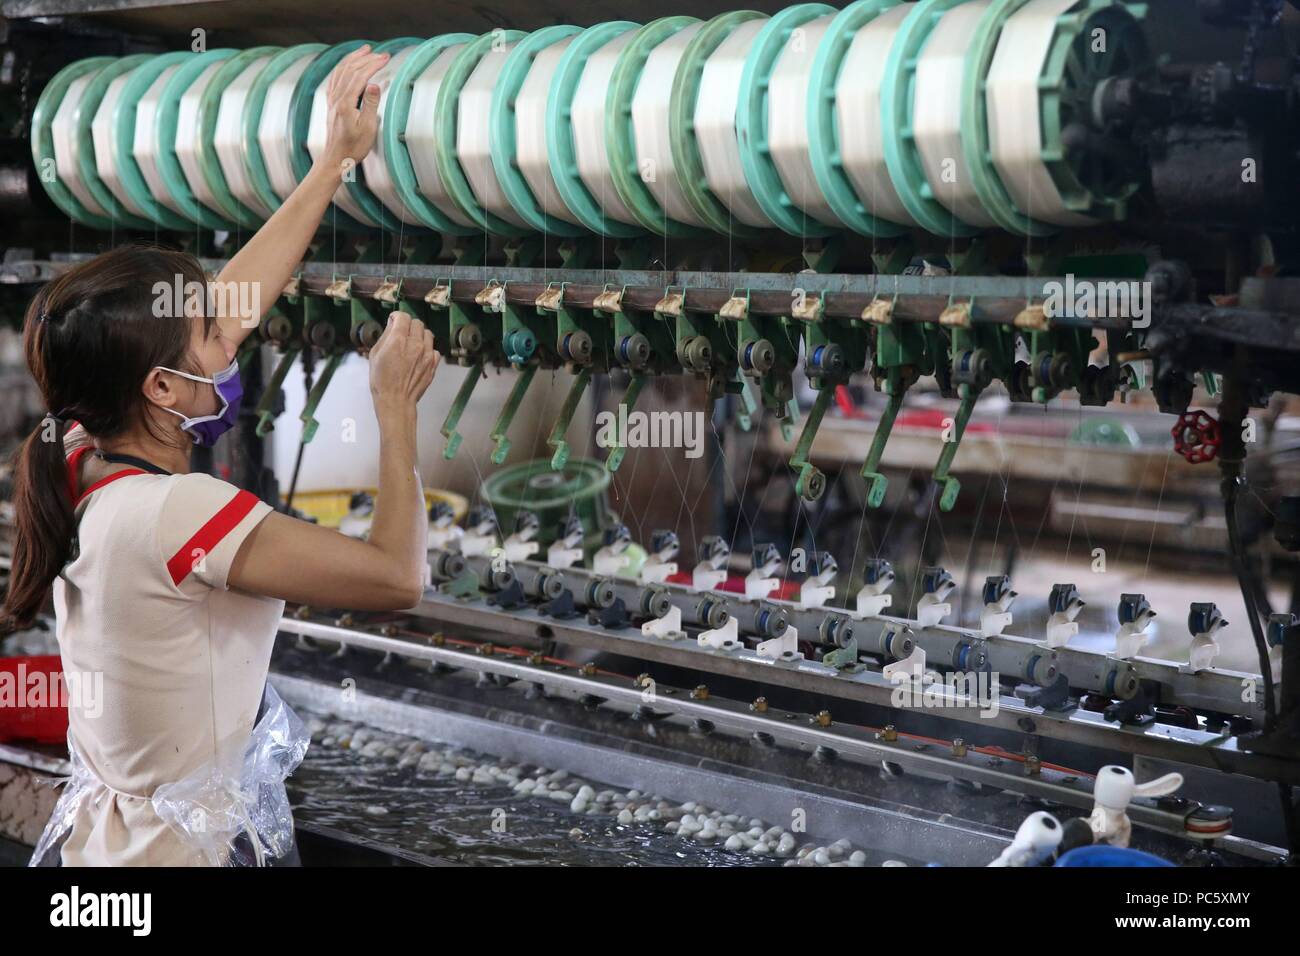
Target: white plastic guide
[[655, 571], [1131, 638], [520, 546], [785, 647], [816, 589], [727, 636], [560, 556], [911, 667], [668, 627], [931, 609], [1062, 626], [474, 545]]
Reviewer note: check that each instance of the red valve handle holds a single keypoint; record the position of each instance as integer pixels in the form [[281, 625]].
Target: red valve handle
[[1197, 437]]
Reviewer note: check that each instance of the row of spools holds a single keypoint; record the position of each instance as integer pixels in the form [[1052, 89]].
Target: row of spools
[[940, 115]]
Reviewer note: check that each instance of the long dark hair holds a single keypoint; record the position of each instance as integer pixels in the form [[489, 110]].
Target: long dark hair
[[91, 336]]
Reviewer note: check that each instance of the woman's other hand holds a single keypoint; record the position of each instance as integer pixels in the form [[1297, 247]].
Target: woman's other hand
[[402, 363], [353, 120]]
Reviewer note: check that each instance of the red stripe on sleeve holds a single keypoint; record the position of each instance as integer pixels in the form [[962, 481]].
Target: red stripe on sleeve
[[210, 535]]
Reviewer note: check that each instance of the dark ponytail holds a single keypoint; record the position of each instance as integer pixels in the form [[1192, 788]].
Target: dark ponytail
[[90, 336]]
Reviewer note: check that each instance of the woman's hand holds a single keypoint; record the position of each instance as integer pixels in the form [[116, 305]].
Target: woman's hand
[[402, 363], [353, 118]]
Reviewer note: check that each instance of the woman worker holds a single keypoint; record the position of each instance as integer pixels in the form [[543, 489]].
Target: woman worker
[[168, 584]]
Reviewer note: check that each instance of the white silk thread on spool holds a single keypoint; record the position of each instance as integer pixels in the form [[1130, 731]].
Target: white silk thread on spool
[[652, 129], [228, 136], [858, 122], [104, 133], [715, 124], [1012, 101], [67, 149], [148, 142], [588, 121], [317, 137], [936, 112], [188, 145], [421, 134], [273, 127], [787, 119], [473, 129], [375, 164], [530, 131]]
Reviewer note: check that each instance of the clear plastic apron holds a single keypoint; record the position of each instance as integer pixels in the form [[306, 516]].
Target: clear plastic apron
[[229, 795]]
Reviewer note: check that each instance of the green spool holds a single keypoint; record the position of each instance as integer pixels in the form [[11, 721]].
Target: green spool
[[444, 150], [559, 131], [1065, 91], [124, 115], [43, 143], [304, 93], [824, 150], [254, 161], [397, 109], [896, 102], [85, 116], [681, 125], [751, 122], [581, 488], [209, 107], [993, 195], [620, 137], [169, 165], [513, 184]]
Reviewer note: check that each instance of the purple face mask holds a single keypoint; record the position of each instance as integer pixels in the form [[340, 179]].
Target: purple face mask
[[206, 429]]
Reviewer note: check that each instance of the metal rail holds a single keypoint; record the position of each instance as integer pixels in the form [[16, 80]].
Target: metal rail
[[739, 718]]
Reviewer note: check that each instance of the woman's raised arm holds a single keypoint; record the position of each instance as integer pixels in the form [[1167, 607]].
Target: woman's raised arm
[[301, 562], [268, 259]]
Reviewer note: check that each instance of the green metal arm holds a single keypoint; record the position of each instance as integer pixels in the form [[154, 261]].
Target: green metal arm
[[457, 409], [811, 483], [498, 433], [308, 416], [878, 483], [951, 487], [567, 410], [265, 417], [616, 453]]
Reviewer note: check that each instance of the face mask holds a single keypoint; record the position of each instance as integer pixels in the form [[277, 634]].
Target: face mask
[[206, 429]]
